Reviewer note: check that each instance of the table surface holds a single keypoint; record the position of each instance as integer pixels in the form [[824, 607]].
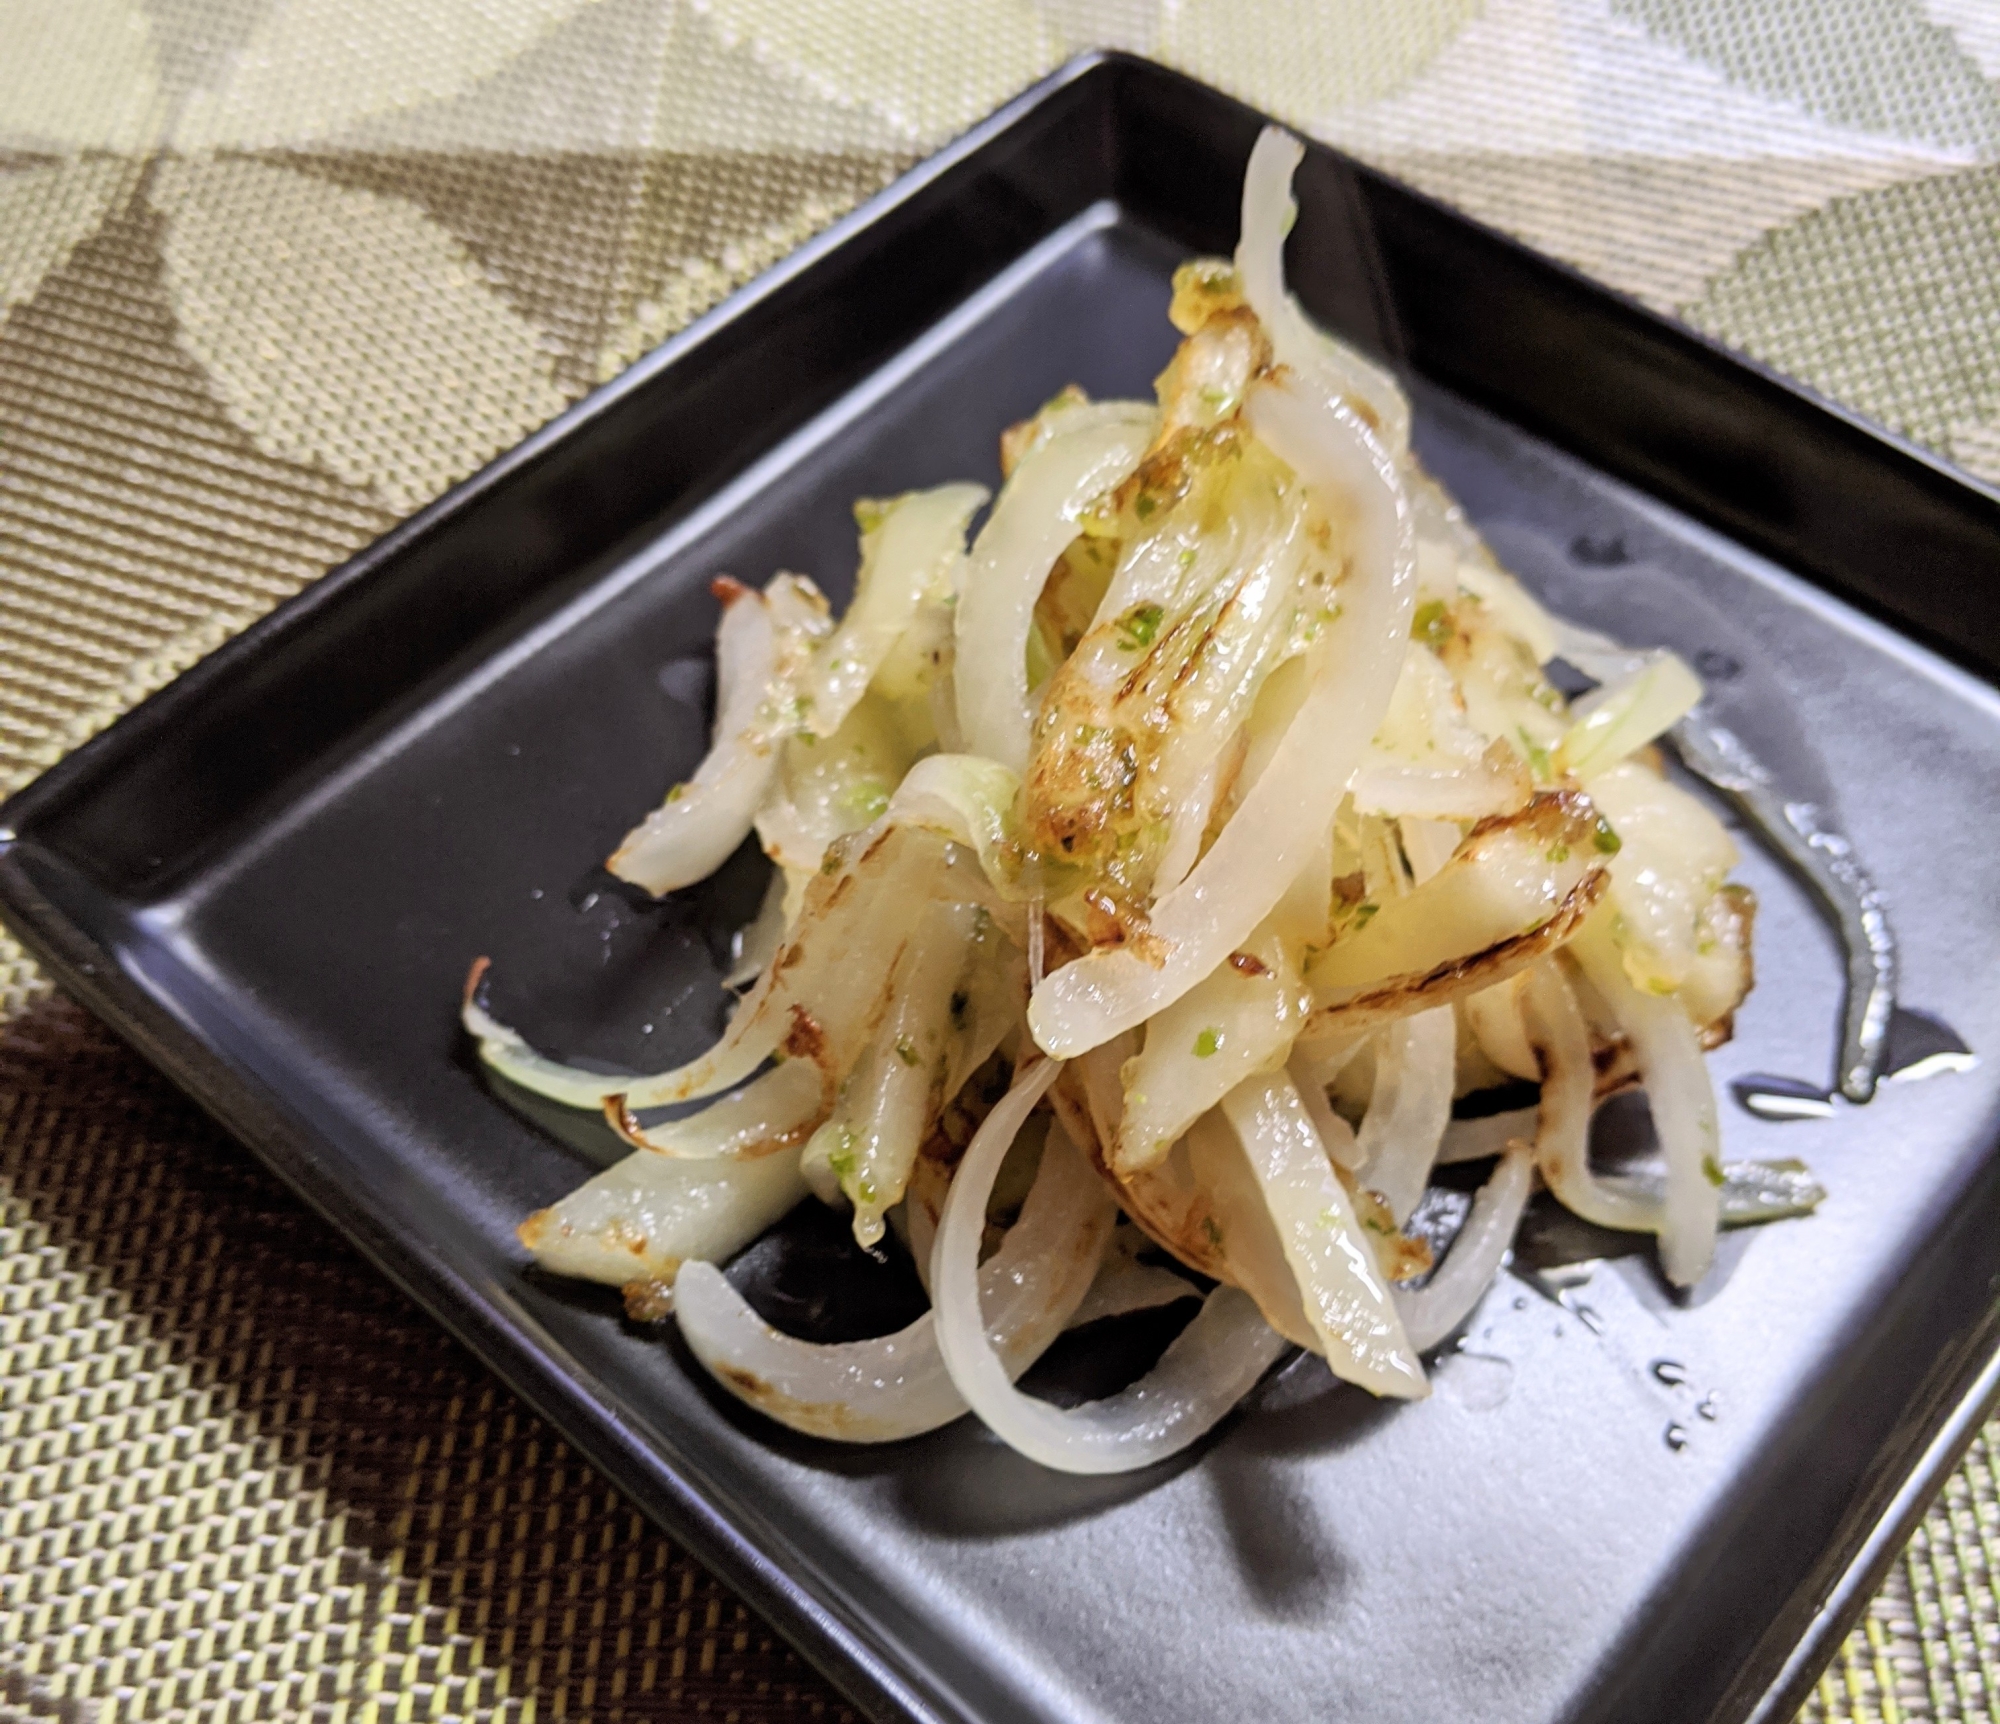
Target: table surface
[[275, 272]]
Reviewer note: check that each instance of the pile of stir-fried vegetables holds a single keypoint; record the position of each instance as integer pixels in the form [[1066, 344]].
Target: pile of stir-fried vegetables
[[1172, 855]]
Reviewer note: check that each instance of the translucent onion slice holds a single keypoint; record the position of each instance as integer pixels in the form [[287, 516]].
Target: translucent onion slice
[[816, 1001], [1562, 1132], [776, 1111], [1240, 1240], [1668, 1051], [1493, 1015], [968, 799], [1268, 214], [1212, 1364], [1515, 890], [1237, 1021], [897, 1386], [1282, 819], [1334, 1132], [1513, 607], [908, 557], [1415, 1068], [889, 1099], [1346, 1299], [1475, 792], [760, 648], [1487, 1136], [1092, 449], [757, 942], [642, 1217], [1124, 1284], [1620, 718], [1433, 1311]]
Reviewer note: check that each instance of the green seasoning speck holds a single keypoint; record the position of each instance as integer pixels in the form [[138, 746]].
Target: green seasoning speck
[[1537, 756], [1213, 1232], [1207, 1043], [1431, 625], [841, 1160], [1364, 913], [1144, 504], [1138, 627], [906, 1050], [1187, 559], [1711, 1170], [1608, 842], [678, 791], [1558, 851]]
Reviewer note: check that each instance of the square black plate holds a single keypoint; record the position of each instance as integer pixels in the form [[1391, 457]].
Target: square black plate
[[271, 878]]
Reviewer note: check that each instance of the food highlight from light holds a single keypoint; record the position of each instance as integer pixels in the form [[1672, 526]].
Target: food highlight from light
[[1156, 870]]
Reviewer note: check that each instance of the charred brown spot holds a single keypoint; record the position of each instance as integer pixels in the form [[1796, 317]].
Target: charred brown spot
[[620, 1117], [727, 590], [473, 977], [881, 838], [649, 1300], [535, 1231], [805, 1040], [1248, 964], [841, 888], [1552, 814], [1402, 995]]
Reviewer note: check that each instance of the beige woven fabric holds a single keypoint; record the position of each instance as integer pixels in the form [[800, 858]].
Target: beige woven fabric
[[274, 272]]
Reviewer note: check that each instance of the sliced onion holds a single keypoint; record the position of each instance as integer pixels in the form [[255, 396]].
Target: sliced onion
[[776, 1111], [1268, 213], [1280, 822], [757, 942], [506, 1050], [1682, 1100], [1622, 717], [906, 559], [1460, 1282], [968, 799], [1562, 1131], [1493, 1015], [1090, 450], [1473, 792], [897, 1386], [1415, 1068], [888, 1100], [817, 1000], [1334, 1132], [1513, 606], [642, 1217], [1346, 1299], [1124, 1284], [1212, 1364], [1239, 1020], [1508, 878], [761, 647], [1487, 1136]]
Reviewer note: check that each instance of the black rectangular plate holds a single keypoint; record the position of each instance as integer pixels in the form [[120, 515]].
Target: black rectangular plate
[[272, 877]]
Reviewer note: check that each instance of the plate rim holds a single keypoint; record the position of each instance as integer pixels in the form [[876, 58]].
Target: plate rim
[[830, 1637]]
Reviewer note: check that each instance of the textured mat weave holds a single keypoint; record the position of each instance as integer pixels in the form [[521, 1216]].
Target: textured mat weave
[[274, 272]]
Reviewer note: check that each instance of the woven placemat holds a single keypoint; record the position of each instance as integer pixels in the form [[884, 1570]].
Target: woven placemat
[[275, 272]]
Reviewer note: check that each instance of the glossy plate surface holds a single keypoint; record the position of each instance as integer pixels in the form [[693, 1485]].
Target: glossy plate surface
[[273, 877]]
